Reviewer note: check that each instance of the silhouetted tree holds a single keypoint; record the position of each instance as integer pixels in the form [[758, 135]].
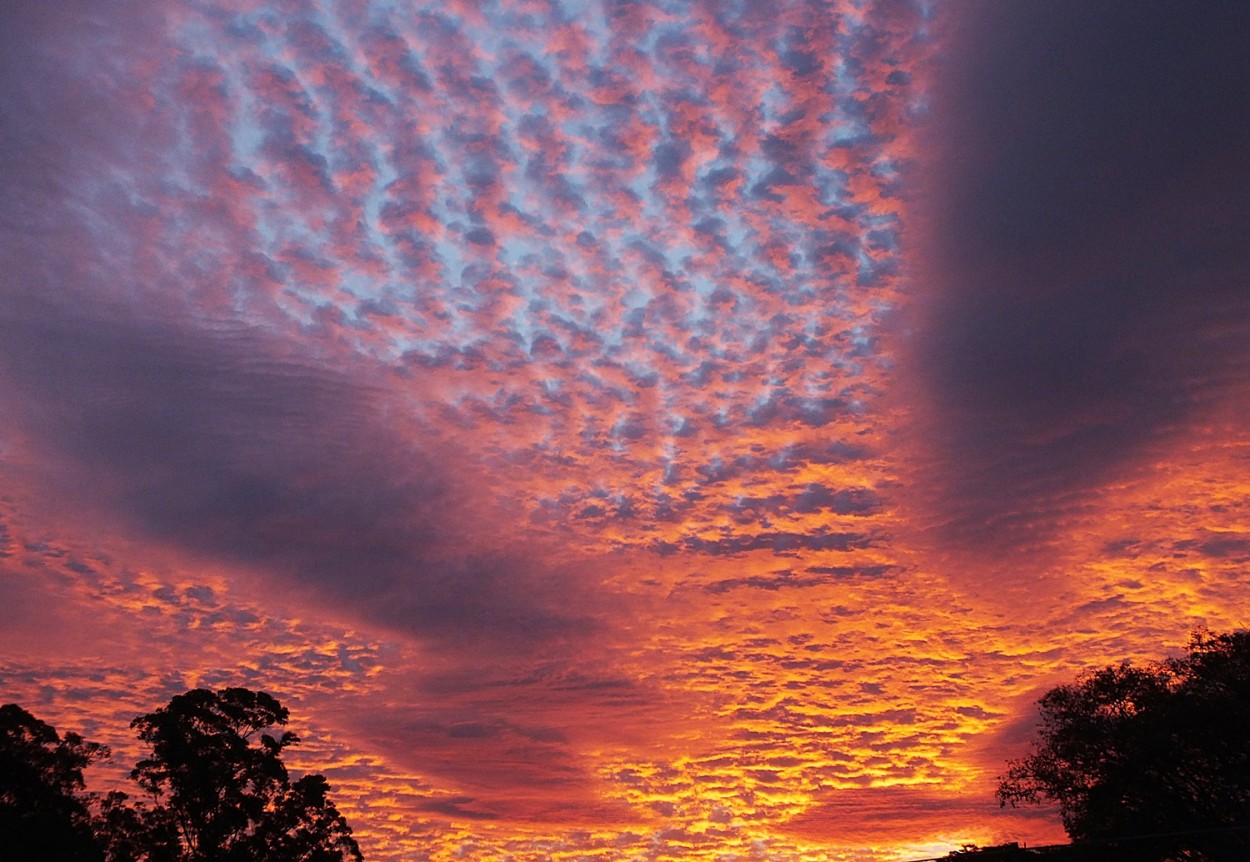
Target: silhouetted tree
[[217, 790], [44, 813], [126, 835], [1154, 761], [220, 792]]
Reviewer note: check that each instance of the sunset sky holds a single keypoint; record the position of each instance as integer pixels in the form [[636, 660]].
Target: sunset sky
[[622, 430]]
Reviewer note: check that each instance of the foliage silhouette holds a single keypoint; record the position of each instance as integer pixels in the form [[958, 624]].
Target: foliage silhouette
[[220, 790], [1154, 758], [44, 813], [215, 785]]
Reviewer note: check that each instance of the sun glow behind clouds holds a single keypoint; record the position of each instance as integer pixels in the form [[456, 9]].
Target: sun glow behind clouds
[[532, 398]]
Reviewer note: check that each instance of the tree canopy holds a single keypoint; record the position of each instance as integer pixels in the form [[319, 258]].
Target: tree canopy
[[43, 811], [221, 790], [1156, 756], [215, 785]]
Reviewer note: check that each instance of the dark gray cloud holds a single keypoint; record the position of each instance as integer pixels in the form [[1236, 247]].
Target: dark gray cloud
[[813, 498], [229, 443], [1086, 253], [812, 576], [779, 542]]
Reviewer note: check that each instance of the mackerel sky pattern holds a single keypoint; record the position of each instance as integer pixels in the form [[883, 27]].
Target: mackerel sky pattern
[[605, 232], [619, 430]]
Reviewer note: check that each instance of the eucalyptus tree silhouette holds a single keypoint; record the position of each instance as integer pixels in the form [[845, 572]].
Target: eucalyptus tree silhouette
[[44, 811], [219, 791], [215, 785]]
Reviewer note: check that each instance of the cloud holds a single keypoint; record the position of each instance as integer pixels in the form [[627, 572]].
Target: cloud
[[1083, 253], [151, 403], [780, 542], [231, 444], [906, 814], [813, 576], [430, 330]]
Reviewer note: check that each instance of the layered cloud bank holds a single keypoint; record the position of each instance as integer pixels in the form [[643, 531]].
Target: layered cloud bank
[[658, 431], [1083, 293]]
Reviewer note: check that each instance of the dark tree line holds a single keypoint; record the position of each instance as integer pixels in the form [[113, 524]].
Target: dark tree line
[[1149, 764], [213, 789]]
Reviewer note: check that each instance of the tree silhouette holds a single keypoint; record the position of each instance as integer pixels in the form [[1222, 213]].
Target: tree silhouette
[[44, 814], [1154, 758], [217, 790], [220, 792]]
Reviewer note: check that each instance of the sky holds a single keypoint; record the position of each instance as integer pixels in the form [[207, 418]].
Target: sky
[[622, 430]]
